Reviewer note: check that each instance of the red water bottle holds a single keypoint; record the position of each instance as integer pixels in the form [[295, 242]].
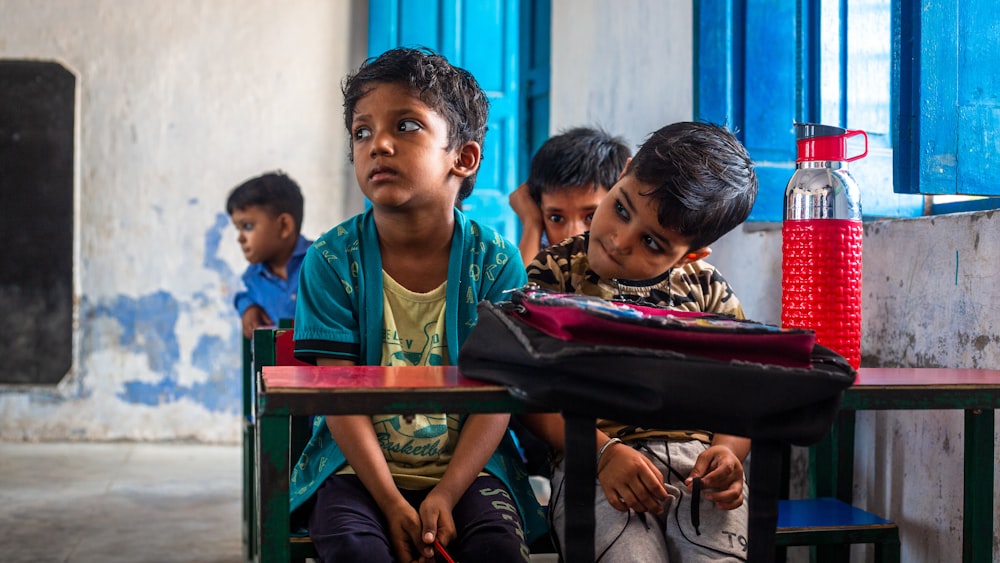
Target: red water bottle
[[821, 241]]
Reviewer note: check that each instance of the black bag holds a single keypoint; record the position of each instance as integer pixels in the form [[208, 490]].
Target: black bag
[[656, 387]]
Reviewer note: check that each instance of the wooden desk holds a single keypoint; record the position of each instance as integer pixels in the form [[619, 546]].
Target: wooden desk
[[286, 391], [975, 391]]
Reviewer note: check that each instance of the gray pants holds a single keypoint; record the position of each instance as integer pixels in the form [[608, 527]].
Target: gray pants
[[625, 537]]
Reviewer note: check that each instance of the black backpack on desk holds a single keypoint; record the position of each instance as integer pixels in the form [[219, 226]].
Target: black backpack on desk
[[773, 391], [661, 387]]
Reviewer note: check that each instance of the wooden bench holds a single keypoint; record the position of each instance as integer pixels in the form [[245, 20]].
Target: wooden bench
[[249, 524]]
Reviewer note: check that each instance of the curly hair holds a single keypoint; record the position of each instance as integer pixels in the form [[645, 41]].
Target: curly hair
[[702, 179], [447, 89]]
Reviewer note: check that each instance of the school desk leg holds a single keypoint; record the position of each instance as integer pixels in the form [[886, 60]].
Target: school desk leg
[[272, 488], [977, 539], [765, 487], [581, 474]]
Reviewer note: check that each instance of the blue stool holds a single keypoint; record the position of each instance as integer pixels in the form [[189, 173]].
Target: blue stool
[[834, 525]]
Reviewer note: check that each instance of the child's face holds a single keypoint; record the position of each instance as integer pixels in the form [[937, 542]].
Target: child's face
[[401, 155], [261, 234], [568, 211], [626, 238]]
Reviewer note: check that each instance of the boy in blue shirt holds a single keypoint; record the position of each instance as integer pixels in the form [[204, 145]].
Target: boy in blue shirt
[[398, 285], [267, 212], [688, 185]]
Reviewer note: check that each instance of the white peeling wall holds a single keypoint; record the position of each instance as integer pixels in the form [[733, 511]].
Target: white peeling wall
[[178, 102], [930, 299]]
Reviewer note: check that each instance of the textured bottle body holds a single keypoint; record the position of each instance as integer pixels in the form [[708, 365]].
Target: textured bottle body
[[821, 281]]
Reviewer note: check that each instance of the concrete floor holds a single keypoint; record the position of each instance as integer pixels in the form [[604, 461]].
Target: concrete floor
[[127, 502]]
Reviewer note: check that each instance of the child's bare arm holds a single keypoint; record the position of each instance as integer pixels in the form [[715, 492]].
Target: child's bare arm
[[479, 438], [532, 223], [628, 478], [721, 470], [253, 317]]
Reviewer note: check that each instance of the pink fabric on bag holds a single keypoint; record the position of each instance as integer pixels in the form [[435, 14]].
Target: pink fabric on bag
[[580, 318]]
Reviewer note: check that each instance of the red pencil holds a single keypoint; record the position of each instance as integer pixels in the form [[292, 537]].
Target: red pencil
[[440, 549]]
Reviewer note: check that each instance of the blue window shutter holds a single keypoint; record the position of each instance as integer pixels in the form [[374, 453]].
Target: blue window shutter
[[748, 80], [947, 77], [482, 37], [536, 41], [758, 69]]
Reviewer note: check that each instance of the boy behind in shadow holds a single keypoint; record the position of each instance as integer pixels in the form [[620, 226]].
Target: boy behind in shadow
[[570, 174]]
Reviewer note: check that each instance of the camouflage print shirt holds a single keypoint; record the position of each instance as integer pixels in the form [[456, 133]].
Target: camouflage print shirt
[[696, 286]]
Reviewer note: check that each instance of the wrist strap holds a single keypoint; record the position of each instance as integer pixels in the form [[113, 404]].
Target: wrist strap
[[600, 453]]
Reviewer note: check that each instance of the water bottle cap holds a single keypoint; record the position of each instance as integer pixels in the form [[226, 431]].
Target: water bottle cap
[[817, 142], [810, 130]]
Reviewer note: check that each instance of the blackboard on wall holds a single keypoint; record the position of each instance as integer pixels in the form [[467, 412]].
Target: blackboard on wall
[[37, 112]]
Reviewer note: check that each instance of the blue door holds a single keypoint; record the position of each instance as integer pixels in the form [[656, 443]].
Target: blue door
[[482, 37]]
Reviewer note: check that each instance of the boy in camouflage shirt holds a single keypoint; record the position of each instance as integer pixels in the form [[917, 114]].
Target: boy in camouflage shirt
[[689, 184]]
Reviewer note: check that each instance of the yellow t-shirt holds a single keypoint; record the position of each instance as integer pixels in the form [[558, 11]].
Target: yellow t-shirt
[[416, 447], [414, 325]]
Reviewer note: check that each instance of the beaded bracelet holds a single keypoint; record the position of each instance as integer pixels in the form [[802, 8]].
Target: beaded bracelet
[[600, 453]]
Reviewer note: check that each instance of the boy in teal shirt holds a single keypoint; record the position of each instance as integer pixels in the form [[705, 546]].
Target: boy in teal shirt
[[398, 285]]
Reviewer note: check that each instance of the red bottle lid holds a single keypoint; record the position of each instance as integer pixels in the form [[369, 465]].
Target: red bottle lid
[[816, 142]]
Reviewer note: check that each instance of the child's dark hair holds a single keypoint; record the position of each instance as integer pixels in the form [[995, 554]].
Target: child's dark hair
[[578, 157], [449, 90], [274, 191], [702, 179]]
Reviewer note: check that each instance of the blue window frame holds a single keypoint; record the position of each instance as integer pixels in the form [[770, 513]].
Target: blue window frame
[[761, 65]]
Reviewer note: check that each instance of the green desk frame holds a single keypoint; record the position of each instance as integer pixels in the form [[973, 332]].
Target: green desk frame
[[285, 392], [975, 391]]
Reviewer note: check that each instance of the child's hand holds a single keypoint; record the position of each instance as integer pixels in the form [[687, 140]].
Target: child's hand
[[253, 317], [532, 224], [437, 522], [404, 533], [630, 480], [721, 471], [525, 206]]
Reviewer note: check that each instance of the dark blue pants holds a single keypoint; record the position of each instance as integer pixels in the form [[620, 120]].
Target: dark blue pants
[[346, 525]]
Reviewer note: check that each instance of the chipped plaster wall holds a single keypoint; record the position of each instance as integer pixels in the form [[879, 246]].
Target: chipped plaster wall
[[930, 299], [177, 103]]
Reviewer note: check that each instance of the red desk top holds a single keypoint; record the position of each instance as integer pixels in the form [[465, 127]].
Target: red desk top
[[301, 378], [936, 377], [278, 379]]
